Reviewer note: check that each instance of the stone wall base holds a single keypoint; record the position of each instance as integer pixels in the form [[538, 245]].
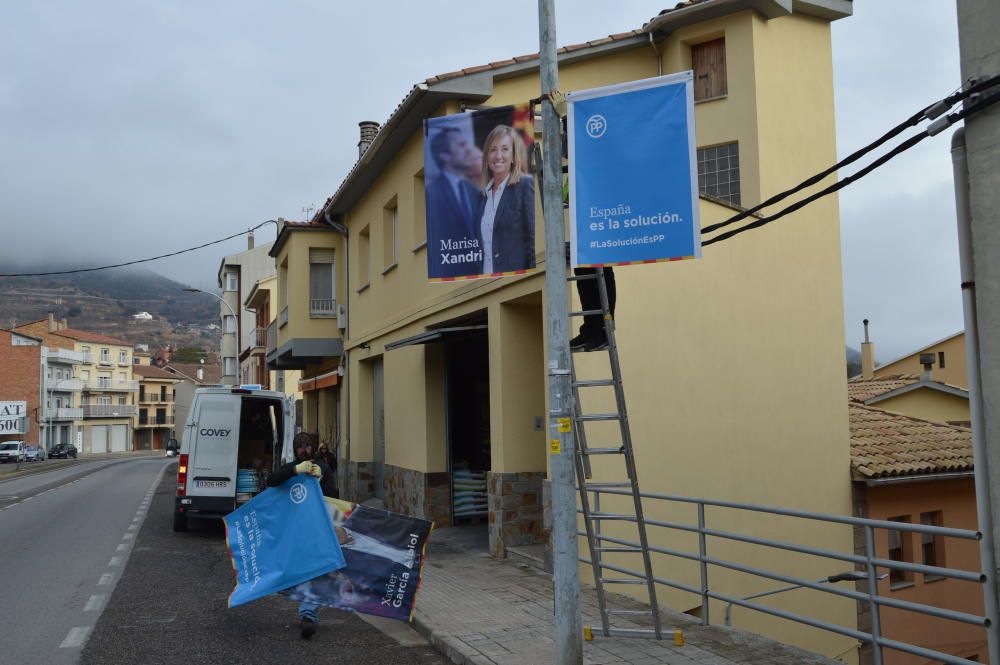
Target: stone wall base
[[419, 494], [515, 510]]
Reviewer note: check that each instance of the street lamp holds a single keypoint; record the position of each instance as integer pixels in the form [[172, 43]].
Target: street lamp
[[235, 321], [849, 576]]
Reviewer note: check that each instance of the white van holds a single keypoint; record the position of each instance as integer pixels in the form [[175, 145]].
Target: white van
[[234, 437]]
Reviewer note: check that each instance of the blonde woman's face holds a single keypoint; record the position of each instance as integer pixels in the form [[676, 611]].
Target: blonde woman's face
[[501, 156]]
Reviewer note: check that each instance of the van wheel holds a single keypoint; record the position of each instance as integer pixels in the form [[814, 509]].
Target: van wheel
[[180, 521]]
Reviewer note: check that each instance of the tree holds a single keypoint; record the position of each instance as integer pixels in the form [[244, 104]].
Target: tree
[[188, 354]]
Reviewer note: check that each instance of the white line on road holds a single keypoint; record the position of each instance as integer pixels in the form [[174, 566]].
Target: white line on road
[[115, 561], [94, 603], [128, 536], [132, 527], [121, 547], [105, 579], [76, 637]]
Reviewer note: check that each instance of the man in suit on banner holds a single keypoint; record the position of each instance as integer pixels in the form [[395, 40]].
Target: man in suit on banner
[[452, 201]]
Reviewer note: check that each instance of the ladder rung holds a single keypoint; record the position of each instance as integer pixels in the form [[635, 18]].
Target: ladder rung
[[588, 312], [632, 632], [580, 278], [618, 549], [614, 516], [590, 417], [621, 580], [603, 451], [604, 486], [593, 382], [630, 613]]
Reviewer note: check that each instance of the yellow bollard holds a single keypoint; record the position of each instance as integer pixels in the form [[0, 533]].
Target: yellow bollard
[[678, 638], [588, 634]]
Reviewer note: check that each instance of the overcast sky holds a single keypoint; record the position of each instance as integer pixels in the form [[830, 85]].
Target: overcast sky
[[130, 128]]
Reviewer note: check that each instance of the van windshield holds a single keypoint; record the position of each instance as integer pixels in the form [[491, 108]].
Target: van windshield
[[9, 446]]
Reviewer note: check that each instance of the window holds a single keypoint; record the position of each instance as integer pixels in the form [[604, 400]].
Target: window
[[932, 545], [122, 401], [390, 228], [228, 323], [364, 258], [84, 375], [940, 359], [900, 549], [322, 298], [420, 212], [123, 357], [104, 401], [229, 366], [232, 280], [123, 377], [708, 60], [105, 355], [719, 172]]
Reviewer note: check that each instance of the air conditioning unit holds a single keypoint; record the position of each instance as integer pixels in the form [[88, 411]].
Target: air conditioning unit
[[342, 316]]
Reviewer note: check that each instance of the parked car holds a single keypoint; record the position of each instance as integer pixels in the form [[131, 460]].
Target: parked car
[[12, 451], [62, 451], [34, 454]]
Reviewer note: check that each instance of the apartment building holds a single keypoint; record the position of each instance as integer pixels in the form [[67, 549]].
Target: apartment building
[[154, 422], [732, 363], [20, 358], [262, 302], [237, 275]]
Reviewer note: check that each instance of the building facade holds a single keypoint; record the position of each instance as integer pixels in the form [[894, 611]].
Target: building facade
[[237, 275], [20, 360], [154, 422]]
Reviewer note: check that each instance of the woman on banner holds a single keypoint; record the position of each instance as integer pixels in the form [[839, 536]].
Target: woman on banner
[[506, 211]]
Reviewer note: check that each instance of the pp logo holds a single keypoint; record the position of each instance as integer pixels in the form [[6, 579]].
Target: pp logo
[[298, 493], [596, 126]]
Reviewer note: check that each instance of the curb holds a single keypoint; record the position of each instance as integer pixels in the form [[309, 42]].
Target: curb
[[445, 646]]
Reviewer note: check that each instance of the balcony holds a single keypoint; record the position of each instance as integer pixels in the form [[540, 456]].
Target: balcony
[[109, 410], [105, 361], [63, 413], [323, 308], [258, 341], [283, 317], [152, 398], [111, 385], [66, 356], [88, 358], [161, 421], [272, 337], [64, 385]]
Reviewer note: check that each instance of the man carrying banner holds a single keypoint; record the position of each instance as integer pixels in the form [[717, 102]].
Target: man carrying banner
[[304, 463]]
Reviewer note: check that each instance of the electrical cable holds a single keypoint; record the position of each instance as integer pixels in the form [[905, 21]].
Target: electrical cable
[[931, 112], [936, 127], [130, 263]]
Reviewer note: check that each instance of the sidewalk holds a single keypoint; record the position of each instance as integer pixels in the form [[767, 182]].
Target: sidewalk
[[484, 611]]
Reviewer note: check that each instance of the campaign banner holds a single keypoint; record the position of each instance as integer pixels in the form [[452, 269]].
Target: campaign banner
[[480, 194], [384, 555], [281, 537], [633, 177]]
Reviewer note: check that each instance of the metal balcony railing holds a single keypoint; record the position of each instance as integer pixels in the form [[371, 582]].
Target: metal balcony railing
[[283, 316], [161, 421], [66, 356], [864, 566], [322, 307], [272, 337], [258, 338], [65, 385], [88, 358], [109, 410], [105, 361], [111, 384], [62, 413], [155, 398]]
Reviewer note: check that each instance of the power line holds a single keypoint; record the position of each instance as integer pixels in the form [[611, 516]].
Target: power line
[[131, 263], [936, 127], [931, 112]]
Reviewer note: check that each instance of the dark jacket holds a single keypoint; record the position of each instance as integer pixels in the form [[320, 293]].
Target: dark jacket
[[513, 226], [287, 471], [448, 219]]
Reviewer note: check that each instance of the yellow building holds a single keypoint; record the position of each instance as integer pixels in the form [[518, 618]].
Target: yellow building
[[154, 422], [732, 363], [949, 362]]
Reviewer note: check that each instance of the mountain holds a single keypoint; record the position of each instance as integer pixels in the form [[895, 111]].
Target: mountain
[[104, 301], [853, 361]]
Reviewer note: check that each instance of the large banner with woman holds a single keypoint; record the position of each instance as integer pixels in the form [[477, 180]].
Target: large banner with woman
[[480, 194]]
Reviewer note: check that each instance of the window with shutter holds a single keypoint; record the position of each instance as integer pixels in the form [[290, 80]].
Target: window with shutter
[[322, 299], [708, 60]]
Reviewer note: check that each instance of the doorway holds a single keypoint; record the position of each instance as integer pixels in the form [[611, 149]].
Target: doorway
[[378, 426], [467, 418]]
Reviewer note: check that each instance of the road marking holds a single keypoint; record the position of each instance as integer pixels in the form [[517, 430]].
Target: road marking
[[132, 527], [121, 547], [76, 637], [137, 518], [105, 579], [115, 561], [128, 536], [94, 603]]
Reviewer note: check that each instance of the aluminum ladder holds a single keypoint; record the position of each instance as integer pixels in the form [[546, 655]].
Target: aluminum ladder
[[592, 513]]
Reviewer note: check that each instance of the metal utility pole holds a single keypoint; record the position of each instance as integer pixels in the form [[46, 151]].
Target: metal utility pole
[[565, 566], [978, 195]]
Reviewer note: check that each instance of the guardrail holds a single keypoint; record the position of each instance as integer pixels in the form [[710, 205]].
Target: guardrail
[[869, 563]]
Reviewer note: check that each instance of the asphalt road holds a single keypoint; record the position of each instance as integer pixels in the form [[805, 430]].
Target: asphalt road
[[169, 608], [65, 536]]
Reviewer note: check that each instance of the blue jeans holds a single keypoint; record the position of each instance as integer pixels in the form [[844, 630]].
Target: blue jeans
[[307, 610]]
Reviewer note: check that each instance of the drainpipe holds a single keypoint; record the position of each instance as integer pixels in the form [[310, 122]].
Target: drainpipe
[[344, 356], [980, 453], [659, 58]]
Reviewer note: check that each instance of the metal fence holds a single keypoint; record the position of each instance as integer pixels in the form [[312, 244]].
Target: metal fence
[[869, 563]]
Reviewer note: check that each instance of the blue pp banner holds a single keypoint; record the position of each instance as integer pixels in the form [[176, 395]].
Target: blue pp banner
[[633, 176], [280, 538]]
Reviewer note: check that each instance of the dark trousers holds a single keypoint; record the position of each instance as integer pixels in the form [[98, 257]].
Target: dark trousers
[[590, 299]]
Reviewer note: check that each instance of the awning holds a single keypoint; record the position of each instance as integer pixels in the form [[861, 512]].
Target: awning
[[438, 335]]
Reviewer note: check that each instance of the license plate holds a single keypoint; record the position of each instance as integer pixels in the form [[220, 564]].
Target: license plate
[[211, 483]]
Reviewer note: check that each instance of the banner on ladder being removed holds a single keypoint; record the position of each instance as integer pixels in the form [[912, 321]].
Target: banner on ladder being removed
[[633, 178]]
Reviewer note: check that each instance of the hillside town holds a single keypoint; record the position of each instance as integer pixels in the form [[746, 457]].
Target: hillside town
[[555, 374]]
